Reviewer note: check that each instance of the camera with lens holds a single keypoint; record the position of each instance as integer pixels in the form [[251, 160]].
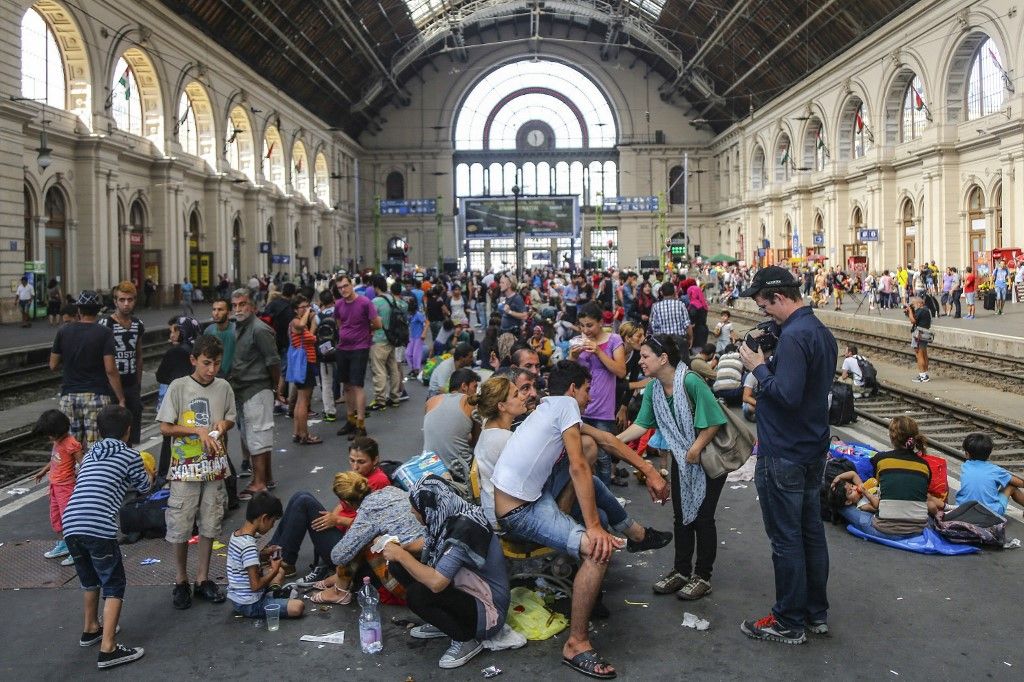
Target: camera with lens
[[764, 336]]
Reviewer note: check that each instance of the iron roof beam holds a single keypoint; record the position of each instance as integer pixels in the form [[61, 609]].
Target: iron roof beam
[[686, 73]]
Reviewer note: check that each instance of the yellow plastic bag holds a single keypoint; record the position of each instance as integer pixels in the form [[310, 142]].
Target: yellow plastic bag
[[528, 616]]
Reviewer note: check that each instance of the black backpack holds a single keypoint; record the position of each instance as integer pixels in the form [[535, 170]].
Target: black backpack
[[868, 373], [397, 331], [327, 338]]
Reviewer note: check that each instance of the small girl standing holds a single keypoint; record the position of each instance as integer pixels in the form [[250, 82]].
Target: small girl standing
[[65, 455], [417, 335]]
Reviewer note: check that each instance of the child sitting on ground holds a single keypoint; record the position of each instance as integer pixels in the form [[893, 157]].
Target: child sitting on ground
[[248, 582], [984, 482], [65, 455], [90, 529]]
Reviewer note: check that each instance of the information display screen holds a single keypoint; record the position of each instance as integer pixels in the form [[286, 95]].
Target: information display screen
[[538, 217]]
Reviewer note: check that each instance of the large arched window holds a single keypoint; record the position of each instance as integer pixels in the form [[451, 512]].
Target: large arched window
[[322, 179], [758, 176], [861, 131], [273, 158], [815, 152], [300, 165], [675, 183], [913, 115], [195, 123], [239, 147], [188, 132], [126, 100], [783, 159], [394, 186], [539, 124], [985, 87], [42, 68]]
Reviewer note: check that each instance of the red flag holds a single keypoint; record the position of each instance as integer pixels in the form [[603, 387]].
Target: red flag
[[298, 166], [270, 149], [918, 100], [860, 122]]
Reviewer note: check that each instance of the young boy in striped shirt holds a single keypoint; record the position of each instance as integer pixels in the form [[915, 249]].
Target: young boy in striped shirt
[[90, 529], [248, 582]]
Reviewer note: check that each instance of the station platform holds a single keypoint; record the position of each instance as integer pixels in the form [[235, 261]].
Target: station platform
[[894, 614], [14, 338]]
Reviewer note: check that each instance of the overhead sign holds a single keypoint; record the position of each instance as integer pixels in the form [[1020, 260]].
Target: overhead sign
[[264, 247], [408, 206], [796, 241], [819, 239], [538, 217], [623, 204], [280, 259], [867, 235]]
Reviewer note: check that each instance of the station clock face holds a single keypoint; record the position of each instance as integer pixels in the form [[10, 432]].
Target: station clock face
[[535, 138]]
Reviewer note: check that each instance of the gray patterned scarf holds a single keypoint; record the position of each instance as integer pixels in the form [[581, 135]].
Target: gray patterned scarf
[[678, 430]]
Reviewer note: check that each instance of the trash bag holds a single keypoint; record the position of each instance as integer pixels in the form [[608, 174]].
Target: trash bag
[[528, 616]]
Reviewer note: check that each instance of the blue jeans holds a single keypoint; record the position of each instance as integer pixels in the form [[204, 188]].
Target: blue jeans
[[256, 609], [790, 506], [603, 470], [98, 564], [861, 520], [613, 515]]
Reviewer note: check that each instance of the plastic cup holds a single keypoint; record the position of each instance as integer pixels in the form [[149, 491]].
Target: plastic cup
[[273, 612]]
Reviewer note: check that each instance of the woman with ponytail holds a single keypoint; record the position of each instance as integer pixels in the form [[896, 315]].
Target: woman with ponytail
[[903, 504]]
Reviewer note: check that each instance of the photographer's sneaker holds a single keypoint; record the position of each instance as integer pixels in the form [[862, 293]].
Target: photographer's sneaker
[[120, 655], [771, 630]]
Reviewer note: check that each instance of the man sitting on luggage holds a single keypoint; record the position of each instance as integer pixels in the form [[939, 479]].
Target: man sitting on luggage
[[851, 370]]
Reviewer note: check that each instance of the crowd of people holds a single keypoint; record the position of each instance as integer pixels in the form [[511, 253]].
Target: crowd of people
[[543, 395]]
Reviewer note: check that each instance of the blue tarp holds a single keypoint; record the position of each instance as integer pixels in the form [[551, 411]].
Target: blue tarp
[[928, 542]]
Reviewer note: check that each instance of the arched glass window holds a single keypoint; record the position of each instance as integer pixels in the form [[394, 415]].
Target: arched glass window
[[914, 118], [394, 186], [126, 100], [239, 144], [985, 87], [300, 166], [758, 176], [42, 68], [322, 179], [861, 131], [273, 158], [783, 160], [188, 129], [675, 183]]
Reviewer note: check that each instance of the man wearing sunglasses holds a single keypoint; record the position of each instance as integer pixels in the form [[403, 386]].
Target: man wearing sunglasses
[[793, 437]]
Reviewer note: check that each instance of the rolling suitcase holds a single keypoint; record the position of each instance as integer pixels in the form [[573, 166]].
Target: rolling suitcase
[[840, 412], [989, 302]]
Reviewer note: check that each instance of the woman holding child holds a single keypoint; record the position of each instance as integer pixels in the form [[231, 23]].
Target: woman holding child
[[683, 408]]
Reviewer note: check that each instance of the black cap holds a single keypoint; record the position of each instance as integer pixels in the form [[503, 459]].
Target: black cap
[[89, 297], [772, 276]]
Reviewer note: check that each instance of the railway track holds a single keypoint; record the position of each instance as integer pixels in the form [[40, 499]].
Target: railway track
[[1003, 373], [22, 453], [945, 425]]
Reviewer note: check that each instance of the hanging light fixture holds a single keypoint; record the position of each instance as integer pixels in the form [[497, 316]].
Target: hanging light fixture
[[44, 152]]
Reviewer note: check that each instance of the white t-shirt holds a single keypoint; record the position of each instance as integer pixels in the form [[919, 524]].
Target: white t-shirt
[[25, 292], [750, 381], [488, 449], [724, 337], [531, 452], [851, 367]]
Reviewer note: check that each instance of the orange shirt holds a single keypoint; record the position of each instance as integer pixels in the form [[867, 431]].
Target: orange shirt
[[307, 340], [62, 460]]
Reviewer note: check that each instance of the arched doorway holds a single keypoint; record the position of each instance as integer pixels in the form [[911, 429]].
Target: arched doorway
[[909, 233], [976, 227], [236, 251], [997, 204], [136, 242], [29, 224], [817, 244], [782, 255], [855, 247], [55, 209]]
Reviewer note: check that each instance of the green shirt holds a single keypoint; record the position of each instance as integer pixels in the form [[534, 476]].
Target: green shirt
[[384, 311], [707, 412], [227, 339], [255, 353]]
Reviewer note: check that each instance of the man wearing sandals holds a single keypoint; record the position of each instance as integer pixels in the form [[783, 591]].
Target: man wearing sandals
[[544, 451], [195, 412]]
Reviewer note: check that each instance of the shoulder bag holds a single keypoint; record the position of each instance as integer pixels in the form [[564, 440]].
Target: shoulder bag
[[731, 447]]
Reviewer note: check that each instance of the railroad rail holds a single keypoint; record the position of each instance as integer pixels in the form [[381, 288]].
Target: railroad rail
[[1003, 372]]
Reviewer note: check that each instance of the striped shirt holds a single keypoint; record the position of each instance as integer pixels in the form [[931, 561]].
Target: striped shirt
[[306, 340], [107, 470], [242, 554], [903, 479]]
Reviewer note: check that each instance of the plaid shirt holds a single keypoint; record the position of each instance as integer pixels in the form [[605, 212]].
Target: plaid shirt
[[669, 316]]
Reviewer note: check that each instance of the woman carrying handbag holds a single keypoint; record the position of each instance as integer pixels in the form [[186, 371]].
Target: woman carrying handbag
[[680, 404]]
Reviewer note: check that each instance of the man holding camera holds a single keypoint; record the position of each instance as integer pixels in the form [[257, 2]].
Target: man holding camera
[[793, 437]]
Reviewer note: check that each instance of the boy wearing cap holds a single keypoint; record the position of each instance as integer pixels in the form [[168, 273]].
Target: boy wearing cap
[[793, 437], [91, 380]]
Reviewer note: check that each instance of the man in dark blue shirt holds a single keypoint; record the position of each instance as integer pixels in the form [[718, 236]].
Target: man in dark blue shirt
[[793, 437]]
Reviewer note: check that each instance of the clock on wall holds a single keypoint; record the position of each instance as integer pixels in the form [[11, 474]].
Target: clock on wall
[[535, 138]]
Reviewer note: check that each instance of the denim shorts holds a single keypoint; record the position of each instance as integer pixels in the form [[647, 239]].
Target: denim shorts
[[542, 522], [255, 609], [98, 564]]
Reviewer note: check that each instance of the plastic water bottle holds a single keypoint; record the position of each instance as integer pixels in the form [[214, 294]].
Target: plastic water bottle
[[370, 635]]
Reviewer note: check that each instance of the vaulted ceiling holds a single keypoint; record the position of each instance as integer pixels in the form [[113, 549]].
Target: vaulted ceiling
[[346, 59]]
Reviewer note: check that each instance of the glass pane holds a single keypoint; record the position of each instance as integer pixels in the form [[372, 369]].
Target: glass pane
[[126, 101], [543, 178], [462, 180], [42, 70], [476, 179]]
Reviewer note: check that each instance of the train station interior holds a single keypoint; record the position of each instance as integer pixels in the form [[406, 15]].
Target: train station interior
[[188, 145]]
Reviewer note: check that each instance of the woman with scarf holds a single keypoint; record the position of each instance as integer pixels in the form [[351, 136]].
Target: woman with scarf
[[680, 404], [698, 309], [460, 588]]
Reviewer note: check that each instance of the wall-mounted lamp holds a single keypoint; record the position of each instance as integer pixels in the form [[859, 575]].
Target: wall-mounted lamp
[[44, 152]]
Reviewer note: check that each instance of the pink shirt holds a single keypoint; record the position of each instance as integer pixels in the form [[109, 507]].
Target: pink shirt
[[354, 322]]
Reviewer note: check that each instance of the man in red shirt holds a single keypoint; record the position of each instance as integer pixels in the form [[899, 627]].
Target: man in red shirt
[[970, 283]]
